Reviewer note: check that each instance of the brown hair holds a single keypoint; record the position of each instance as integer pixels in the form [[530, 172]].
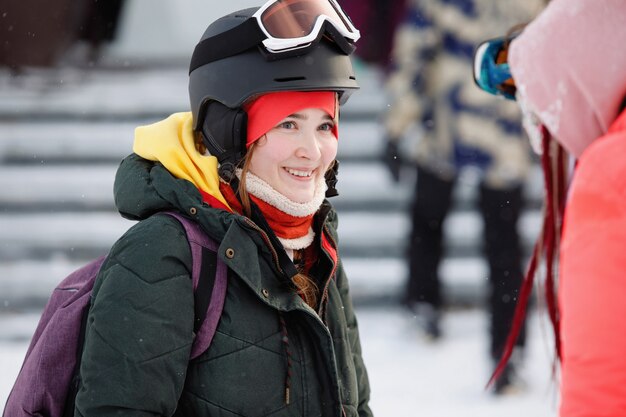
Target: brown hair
[[199, 143], [307, 288], [242, 189]]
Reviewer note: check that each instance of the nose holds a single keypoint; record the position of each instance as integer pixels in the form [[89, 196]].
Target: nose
[[309, 147]]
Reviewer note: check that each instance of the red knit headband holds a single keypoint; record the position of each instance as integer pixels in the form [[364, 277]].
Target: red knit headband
[[266, 111]]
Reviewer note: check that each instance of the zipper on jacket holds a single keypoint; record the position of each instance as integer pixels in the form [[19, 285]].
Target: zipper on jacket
[[322, 310], [325, 294]]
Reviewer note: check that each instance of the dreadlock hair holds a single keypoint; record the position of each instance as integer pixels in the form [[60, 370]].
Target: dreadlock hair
[[545, 253]]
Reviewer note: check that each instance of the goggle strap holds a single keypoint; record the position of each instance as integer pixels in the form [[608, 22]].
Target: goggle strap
[[346, 46], [229, 43]]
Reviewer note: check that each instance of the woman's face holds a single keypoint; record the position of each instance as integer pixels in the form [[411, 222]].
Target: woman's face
[[295, 154]]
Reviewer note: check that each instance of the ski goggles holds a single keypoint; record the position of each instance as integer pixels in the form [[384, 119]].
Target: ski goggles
[[293, 24], [281, 26], [491, 68]]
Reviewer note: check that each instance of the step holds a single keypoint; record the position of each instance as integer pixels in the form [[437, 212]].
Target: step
[[70, 141], [377, 281], [101, 94], [35, 142], [52, 188], [375, 235], [27, 284], [363, 234], [85, 187]]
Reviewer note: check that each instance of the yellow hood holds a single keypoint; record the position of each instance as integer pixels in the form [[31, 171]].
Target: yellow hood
[[171, 142]]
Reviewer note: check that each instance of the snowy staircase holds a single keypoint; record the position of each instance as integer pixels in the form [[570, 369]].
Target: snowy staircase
[[61, 142]]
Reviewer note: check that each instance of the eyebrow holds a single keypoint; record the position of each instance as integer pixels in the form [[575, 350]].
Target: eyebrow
[[301, 116]]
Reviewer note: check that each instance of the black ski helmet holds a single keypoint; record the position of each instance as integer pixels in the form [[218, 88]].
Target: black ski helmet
[[234, 79]]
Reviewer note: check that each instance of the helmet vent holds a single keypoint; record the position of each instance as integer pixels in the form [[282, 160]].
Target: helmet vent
[[289, 79]]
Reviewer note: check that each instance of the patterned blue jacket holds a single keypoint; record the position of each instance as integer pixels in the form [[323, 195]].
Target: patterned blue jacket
[[431, 88]]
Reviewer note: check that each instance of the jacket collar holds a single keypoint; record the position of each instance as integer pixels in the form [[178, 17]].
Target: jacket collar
[[244, 250], [143, 188]]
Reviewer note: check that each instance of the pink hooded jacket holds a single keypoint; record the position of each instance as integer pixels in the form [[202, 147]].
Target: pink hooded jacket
[[570, 68], [570, 65]]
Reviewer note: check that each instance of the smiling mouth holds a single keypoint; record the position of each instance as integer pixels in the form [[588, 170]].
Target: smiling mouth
[[298, 173]]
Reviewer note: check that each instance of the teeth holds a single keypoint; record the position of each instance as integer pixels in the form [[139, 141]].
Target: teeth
[[299, 173]]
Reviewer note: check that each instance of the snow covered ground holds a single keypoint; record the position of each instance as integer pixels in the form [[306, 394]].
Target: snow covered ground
[[409, 376], [412, 377]]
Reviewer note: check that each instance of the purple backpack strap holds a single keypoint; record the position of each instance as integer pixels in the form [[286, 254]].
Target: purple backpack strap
[[198, 241]]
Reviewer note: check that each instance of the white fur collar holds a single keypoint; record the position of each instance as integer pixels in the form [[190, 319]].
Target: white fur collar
[[298, 243], [262, 190]]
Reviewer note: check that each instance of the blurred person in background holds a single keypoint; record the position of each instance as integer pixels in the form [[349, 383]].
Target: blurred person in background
[[431, 87], [251, 163], [53, 34], [568, 72], [100, 26], [377, 20]]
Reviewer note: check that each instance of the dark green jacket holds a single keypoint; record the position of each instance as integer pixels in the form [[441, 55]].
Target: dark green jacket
[[140, 325]]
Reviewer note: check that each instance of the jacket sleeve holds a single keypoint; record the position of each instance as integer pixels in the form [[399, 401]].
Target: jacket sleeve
[[416, 43], [140, 325], [355, 344], [352, 331], [592, 287]]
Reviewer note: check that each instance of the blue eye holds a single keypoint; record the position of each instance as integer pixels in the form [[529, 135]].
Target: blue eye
[[287, 125], [327, 126]]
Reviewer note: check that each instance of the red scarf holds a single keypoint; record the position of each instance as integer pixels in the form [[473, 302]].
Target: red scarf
[[284, 225]]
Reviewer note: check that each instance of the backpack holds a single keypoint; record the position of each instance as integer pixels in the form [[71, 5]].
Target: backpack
[[47, 383]]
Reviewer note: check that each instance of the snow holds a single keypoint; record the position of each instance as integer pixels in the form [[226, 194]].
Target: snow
[[409, 376]]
